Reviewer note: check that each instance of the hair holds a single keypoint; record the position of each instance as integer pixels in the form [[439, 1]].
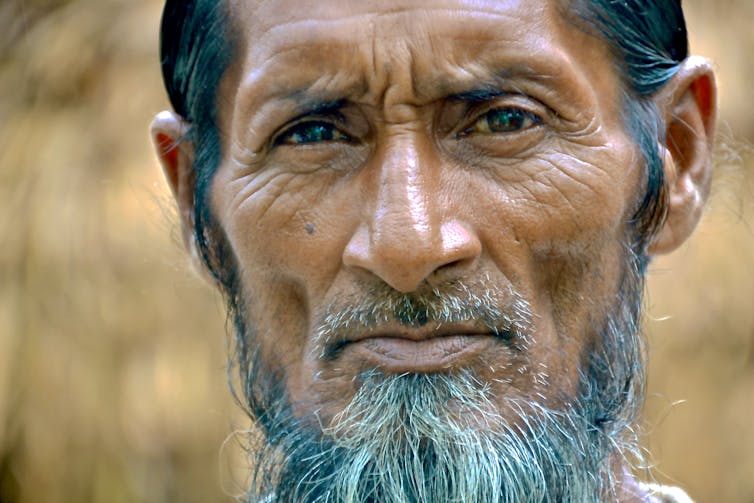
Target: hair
[[647, 38], [196, 49]]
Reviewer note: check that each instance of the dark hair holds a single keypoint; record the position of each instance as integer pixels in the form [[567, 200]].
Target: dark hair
[[196, 48], [647, 38]]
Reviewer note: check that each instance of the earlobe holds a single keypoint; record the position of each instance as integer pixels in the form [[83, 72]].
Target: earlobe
[[176, 155], [688, 106]]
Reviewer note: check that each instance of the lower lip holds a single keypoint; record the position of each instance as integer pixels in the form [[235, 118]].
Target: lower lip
[[395, 354]]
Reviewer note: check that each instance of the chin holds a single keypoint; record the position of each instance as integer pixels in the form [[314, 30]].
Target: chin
[[434, 437]]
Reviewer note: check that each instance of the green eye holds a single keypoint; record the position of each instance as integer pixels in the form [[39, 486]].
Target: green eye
[[503, 120], [311, 132]]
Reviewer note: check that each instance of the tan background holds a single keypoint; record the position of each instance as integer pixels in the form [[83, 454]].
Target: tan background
[[112, 354]]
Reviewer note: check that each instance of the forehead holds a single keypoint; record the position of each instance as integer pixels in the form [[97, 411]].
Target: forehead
[[415, 51], [384, 17]]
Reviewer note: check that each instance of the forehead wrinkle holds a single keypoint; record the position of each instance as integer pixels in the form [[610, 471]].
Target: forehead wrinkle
[[264, 87], [309, 94], [336, 15], [364, 69], [337, 29]]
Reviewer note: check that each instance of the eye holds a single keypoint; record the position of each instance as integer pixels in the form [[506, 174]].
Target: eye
[[503, 120], [311, 132]]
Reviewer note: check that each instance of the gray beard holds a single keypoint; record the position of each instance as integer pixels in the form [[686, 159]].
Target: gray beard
[[426, 438], [398, 441]]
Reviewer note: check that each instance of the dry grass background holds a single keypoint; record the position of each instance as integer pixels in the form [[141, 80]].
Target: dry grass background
[[112, 354]]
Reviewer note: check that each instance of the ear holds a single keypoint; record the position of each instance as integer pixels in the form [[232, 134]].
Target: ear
[[176, 155], [688, 104]]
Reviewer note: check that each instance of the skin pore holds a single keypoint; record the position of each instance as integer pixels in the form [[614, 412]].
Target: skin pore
[[432, 188]]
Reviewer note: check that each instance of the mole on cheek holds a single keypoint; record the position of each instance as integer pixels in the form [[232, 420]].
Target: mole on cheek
[[310, 229]]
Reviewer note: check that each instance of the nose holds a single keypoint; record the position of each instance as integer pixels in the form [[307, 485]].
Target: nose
[[408, 233]]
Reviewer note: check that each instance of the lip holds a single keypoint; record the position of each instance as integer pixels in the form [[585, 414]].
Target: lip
[[418, 351], [425, 333]]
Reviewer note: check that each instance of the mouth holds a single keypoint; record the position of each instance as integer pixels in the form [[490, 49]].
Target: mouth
[[404, 351]]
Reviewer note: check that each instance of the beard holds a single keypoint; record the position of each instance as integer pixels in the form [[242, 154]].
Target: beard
[[398, 442], [440, 437]]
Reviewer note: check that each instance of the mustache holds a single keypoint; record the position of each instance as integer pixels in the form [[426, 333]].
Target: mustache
[[480, 304]]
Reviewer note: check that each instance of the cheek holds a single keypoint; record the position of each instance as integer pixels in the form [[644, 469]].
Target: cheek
[[559, 233], [288, 233], [286, 227], [563, 201], [575, 203], [578, 293], [578, 250]]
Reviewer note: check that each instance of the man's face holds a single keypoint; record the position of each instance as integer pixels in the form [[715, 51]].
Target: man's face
[[423, 187]]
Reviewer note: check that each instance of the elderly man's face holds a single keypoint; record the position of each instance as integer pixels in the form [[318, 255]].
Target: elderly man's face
[[423, 187], [425, 212]]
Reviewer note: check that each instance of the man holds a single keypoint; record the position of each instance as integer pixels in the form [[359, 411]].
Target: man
[[431, 220]]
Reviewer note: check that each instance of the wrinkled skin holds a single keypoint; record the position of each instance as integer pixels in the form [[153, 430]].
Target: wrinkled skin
[[412, 144], [411, 200]]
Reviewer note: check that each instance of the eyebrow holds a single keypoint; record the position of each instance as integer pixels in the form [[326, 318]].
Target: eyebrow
[[313, 105], [480, 91], [503, 81], [481, 95]]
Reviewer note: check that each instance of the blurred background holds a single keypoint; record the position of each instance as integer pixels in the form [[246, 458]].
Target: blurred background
[[112, 351]]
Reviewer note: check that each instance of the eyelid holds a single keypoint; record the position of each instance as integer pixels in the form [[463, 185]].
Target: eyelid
[[479, 105], [323, 111], [509, 100], [466, 130], [332, 119]]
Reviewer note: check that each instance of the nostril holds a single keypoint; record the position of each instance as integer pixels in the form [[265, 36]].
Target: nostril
[[357, 251], [406, 261], [455, 263], [460, 244]]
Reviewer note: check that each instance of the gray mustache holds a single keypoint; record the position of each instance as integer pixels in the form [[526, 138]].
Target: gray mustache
[[501, 310]]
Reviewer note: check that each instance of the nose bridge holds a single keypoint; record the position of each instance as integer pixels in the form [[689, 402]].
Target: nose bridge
[[406, 234], [405, 206]]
